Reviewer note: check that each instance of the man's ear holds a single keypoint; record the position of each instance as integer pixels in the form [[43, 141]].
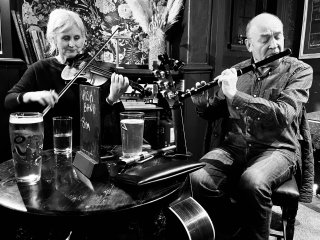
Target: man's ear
[[248, 44]]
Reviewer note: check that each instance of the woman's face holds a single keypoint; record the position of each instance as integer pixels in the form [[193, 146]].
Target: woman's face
[[70, 42]]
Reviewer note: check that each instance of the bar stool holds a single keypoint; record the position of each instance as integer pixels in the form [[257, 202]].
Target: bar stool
[[286, 196]]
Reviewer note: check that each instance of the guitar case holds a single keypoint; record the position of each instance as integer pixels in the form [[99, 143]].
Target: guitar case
[[157, 173]]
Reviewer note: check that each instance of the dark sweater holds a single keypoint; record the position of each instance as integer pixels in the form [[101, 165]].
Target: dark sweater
[[45, 75]]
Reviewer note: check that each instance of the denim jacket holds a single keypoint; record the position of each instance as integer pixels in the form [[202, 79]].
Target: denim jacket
[[269, 110]]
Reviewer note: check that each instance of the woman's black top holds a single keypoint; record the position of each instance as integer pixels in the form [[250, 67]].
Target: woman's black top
[[46, 75]]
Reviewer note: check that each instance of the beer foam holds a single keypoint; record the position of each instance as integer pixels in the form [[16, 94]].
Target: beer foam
[[26, 120], [132, 121]]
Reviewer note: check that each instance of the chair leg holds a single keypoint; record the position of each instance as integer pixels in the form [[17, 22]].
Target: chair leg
[[284, 228], [289, 213]]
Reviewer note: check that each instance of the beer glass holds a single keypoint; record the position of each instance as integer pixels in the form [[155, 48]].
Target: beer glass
[[62, 134], [26, 137], [132, 126]]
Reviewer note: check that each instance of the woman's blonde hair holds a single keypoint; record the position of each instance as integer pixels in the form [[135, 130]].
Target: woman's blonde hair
[[60, 19]]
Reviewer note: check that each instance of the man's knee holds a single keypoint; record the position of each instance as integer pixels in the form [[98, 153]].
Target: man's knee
[[253, 185], [205, 185], [201, 179]]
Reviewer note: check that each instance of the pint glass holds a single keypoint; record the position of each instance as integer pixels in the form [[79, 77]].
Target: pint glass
[[132, 126], [26, 137]]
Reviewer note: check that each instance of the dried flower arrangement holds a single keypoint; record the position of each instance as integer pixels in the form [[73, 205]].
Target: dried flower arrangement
[[155, 17]]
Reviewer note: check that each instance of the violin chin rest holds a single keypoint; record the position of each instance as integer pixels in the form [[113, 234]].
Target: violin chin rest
[[68, 73], [97, 80]]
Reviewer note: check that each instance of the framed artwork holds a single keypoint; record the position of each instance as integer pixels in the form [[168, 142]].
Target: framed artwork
[[100, 18], [310, 34], [5, 29], [0, 35]]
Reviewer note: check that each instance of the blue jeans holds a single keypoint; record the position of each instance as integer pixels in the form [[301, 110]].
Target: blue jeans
[[248, 175]]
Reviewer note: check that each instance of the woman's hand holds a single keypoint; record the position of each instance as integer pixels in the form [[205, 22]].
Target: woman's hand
[[43, 97], [119, 86]]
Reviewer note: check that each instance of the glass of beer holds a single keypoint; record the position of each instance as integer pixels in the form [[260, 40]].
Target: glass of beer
[[132, 126], [62, 134], [26, 137]]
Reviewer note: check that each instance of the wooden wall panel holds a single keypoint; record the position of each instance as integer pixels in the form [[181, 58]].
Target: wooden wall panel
[[194, 50], [196, 34]]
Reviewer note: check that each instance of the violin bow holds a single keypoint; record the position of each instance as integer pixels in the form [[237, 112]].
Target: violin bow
[[81, 70]]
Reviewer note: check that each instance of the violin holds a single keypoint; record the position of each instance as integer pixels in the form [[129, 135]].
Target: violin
[[94, 75], [83, 66]]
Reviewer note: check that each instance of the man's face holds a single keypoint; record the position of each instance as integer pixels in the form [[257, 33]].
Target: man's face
[[265, 39]]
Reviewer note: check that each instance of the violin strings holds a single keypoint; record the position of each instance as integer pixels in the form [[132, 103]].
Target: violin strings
[[108, 73], [100, 70]]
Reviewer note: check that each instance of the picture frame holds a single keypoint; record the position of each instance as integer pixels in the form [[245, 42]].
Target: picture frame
[[1, 51], [310, 33], [5, 23]]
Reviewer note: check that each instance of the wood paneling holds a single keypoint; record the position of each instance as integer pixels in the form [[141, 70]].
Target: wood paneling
[[194, 48]]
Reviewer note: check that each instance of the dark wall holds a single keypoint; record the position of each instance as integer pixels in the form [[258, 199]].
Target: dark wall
[[10, 71], [193, 45], [295, 23], [314, 100], [9, 37]]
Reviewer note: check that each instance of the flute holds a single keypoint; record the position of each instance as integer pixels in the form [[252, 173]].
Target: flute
[[244, 70]]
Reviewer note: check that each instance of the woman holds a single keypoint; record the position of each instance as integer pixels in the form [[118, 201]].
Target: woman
[[42, 81]]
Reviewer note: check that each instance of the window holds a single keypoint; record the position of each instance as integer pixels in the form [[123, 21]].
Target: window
[[241, 12]]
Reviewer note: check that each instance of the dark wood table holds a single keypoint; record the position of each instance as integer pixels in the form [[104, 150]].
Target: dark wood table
[[65, 201]]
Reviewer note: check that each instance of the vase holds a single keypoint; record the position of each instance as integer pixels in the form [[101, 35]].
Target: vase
[[157, 46]]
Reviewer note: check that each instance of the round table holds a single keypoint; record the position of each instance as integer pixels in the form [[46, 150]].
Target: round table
[[65, 201]]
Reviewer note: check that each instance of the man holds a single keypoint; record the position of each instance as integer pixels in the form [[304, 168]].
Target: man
[[260, 149]]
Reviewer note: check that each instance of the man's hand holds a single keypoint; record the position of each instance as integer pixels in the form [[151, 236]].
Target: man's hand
[[119, 86], [228, 82], [43, 97], [200, 99]]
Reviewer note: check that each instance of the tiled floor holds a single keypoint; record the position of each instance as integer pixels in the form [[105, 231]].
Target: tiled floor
[[307, 220]]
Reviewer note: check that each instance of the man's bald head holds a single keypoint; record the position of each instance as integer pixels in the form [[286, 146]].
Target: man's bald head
[[265, 37], [265, 19]]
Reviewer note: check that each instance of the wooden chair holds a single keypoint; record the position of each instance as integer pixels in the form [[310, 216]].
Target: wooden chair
[[287, 197]]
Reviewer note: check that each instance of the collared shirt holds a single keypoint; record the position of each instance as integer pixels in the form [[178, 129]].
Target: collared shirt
[[267, 106]]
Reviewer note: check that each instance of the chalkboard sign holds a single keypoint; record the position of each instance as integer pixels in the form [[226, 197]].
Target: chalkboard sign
[[90, 121]]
